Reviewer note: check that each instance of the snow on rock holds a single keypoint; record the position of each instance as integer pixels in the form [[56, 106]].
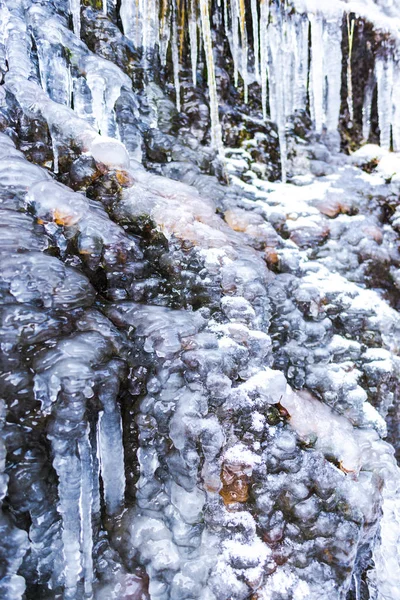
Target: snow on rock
[[109, 152]]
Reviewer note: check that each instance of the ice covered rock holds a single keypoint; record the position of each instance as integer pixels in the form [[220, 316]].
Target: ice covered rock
[[198, 374]]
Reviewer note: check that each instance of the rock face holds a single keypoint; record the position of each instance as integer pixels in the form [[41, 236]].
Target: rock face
[[199, 363]]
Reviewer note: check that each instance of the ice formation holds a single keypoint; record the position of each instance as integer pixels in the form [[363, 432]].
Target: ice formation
[[199, 362], [282, 35]]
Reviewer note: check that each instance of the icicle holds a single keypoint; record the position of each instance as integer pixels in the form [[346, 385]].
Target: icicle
[[181, 29], [256, 38], [279, 75], [332, 53], [175, 57], [4, 14], [396, 107], [325, 71], [68, 469], [386, 553], [97, 86], [18, 46], [384, 77], [140, 22], [55, 150], [111, 451], [82, 100], [149, 12], [144, 12], [235, 40], [216, 134], [226, 19], [86, 512], [15, 541], [129, 18], [244, 48], [367, 106], [112, 94], [317, 72], [301, 31], [350, 35], [264, 18], [165, 32], [96, 500], [288, 62], [75, 10], [54, 72], [193, 39], [3, 453]]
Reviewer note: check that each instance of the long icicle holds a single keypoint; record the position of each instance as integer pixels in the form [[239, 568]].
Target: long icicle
[[384, 78], [332, 50], [396, 107], [279, 97], [216, 134], [264, 18], [181, 28], [193, 39], [175, 55], [317, 72], [75, 10], [302, 30], [86, 500], [164, 32], [256, 38], [350, 37], [367, 106], [244, 46], [235, 40]]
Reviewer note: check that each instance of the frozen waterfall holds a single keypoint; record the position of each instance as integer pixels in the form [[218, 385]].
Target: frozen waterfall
[[200, 295]]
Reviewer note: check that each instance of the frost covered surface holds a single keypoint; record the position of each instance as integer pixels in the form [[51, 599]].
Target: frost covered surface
[[200, 378]]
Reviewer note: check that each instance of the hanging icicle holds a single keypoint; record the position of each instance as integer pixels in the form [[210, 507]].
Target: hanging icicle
[[350, 37], [193, 39], [367, 106], [244, 47], [317, 72], [396, 107], [325, 71], [291, 71], [256, 38], [279, 77], [129, 13], [301, 34], [264, 20], [165, 31], [332, 53], [111, 450], [175, 56], [384, 77], [216, 134], [235, 39], [75, 10], [86, 501]]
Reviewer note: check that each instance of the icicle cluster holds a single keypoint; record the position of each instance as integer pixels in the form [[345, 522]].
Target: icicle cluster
[[278, 59], [387, 73], [295, 56]]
